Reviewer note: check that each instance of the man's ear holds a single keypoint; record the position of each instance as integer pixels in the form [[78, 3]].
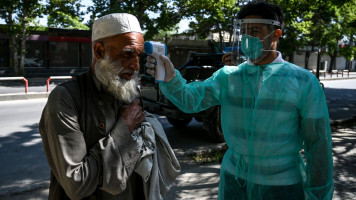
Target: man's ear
[[277, 34], [99, 50]]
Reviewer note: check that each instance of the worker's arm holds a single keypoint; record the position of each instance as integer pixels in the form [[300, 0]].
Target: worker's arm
[[316, 133]]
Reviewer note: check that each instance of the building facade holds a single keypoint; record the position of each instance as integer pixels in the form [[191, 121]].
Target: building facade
[[55, 49]]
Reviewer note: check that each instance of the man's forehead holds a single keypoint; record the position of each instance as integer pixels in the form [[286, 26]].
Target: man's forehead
[[129, 40], [131, 49], [253, 26]]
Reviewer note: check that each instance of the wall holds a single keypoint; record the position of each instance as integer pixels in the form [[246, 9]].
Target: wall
[[299, 59]]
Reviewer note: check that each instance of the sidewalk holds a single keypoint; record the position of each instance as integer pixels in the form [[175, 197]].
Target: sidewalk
[[337, 76]]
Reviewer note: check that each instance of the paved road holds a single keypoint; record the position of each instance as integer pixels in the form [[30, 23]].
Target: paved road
[[21, 150], [341, 98]]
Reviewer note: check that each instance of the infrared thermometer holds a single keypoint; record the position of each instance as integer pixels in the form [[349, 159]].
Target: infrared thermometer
[[155, 49]]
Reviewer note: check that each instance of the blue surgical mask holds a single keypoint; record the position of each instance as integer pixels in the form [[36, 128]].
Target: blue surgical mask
[[252, 46]]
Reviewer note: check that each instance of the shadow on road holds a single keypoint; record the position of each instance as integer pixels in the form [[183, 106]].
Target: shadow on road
[[344, 153], [201, 182], [341, 103], [24, 165]]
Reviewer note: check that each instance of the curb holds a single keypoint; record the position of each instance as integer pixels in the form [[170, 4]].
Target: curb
[[343, 122], [336, 79], [26, 96], [20, 190]]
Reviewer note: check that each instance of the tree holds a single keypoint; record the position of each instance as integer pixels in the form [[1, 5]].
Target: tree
[[292, 40], [18, 15], [347, 23], [211, 17], [65, 14], [7, 11], [314, 24], [168, 14]]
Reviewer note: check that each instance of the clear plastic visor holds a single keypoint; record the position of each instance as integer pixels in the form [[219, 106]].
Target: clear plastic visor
[[256, 27], [252, 27]]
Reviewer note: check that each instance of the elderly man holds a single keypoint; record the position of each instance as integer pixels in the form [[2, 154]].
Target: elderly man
[[98, 141]]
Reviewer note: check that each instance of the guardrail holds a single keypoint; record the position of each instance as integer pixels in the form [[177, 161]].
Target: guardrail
[[56, 77], [16, 78]]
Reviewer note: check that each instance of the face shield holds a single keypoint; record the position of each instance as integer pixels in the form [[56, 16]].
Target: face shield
[[254, 38]]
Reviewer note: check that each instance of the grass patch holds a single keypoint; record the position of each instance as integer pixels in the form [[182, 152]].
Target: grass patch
[[210, 156]]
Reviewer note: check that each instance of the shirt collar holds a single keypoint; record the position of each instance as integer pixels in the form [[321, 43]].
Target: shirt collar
[[267, 69]]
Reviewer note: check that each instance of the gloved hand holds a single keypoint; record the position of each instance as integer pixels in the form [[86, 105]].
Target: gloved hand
[[170, 71]]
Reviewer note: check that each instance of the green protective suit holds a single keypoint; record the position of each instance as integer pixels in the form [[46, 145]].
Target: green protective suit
[[276, 124]]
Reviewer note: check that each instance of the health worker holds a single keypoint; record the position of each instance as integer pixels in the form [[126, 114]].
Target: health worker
[[271, 110]]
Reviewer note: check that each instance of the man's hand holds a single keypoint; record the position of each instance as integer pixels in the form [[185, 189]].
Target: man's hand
[[170, 71], [133, 115]]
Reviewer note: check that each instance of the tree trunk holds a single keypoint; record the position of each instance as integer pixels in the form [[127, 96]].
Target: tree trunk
[[221, 41], [306, 61], [13, 43], [23, 45], [230, 38], [13, 47], [352, 46], [332, 62], [291, 57]]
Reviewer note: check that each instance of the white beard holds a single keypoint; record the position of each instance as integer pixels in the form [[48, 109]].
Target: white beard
[[107, 72]]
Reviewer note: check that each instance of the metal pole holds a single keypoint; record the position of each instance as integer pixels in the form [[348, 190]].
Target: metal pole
[[26, 85], [49, 79]]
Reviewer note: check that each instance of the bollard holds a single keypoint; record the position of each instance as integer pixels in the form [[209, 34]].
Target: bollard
[[16, 78], [56, 77], [26, 84]]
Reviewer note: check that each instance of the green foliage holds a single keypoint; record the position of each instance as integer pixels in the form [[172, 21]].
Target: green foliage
[[348, 52], [210, 156], [19, 16], [320, 23], [166, 18], [211, 16], [67, 21], [65, 14]]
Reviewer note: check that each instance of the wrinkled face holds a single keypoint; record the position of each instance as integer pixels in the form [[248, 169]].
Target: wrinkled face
[[124, 49], [117, 63]]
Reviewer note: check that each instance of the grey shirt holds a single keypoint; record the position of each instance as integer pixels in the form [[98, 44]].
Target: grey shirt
[[96, 164]]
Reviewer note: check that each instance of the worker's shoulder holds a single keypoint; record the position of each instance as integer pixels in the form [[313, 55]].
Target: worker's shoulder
[[226, 70], [299, 72]]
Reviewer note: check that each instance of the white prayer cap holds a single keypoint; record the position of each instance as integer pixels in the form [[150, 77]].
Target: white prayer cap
[[114, 24]]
